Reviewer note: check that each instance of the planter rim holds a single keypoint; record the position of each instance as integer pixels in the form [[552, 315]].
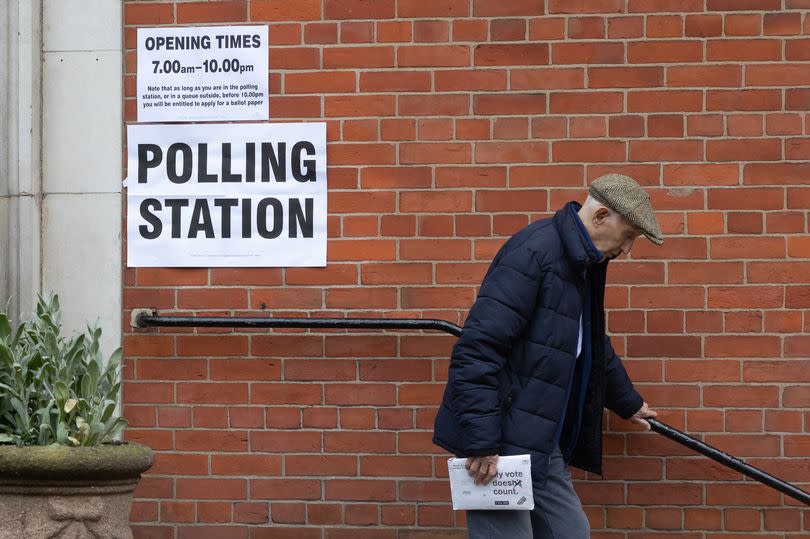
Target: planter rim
[[57, 462]]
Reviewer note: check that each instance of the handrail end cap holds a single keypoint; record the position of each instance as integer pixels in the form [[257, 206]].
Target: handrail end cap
[[137, 314]]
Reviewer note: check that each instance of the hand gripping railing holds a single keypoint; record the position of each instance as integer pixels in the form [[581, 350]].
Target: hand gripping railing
[[147, 318]]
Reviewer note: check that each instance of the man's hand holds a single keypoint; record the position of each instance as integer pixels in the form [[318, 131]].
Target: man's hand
[[643, 412], [482, 469]]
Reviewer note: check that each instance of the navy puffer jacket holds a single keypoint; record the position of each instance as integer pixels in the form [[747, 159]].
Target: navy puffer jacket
[[511, 368]]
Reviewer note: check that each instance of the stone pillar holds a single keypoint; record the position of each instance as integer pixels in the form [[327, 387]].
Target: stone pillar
[[60, 193], [82, 126], [21, 178]]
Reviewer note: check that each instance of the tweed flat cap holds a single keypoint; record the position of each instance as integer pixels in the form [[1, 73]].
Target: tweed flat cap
[[624, 196]]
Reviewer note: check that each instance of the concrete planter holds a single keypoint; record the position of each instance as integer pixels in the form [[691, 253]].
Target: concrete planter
[[69, 492]]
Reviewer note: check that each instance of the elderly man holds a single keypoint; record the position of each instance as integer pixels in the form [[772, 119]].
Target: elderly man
[[533, 368]]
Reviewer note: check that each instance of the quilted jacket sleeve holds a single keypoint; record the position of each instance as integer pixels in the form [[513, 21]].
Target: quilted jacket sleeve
[[499, 315], [620, 394]]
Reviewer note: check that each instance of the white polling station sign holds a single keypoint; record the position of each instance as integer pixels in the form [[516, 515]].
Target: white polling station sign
[[226, 195], [202, 73]]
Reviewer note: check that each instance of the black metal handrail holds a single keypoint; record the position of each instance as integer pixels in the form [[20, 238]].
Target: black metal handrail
[[730, 461], [144, 319]]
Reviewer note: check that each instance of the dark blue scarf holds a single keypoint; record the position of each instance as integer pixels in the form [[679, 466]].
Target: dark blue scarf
[[580, 376]]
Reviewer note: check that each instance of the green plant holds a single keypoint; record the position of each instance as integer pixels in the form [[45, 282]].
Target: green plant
[[54, 389]]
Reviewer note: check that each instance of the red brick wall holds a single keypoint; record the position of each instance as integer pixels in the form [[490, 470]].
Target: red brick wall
[[451, 124]]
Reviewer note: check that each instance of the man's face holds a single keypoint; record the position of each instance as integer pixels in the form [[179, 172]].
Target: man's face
[[612, 233]]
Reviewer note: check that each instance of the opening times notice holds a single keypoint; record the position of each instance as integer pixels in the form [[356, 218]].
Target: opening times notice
[[202, 73]]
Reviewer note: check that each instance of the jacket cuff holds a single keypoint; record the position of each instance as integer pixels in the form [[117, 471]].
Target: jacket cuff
[[484, 452], [628, 406]]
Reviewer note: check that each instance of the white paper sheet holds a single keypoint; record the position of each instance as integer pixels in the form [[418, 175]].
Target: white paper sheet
[[202, 73], [510, 490], [227, 195]]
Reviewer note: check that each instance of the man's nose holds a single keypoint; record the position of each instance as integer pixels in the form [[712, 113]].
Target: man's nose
[[626, 246]]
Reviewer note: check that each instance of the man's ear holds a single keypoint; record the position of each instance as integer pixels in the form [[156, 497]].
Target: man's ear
[[600, 216]]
